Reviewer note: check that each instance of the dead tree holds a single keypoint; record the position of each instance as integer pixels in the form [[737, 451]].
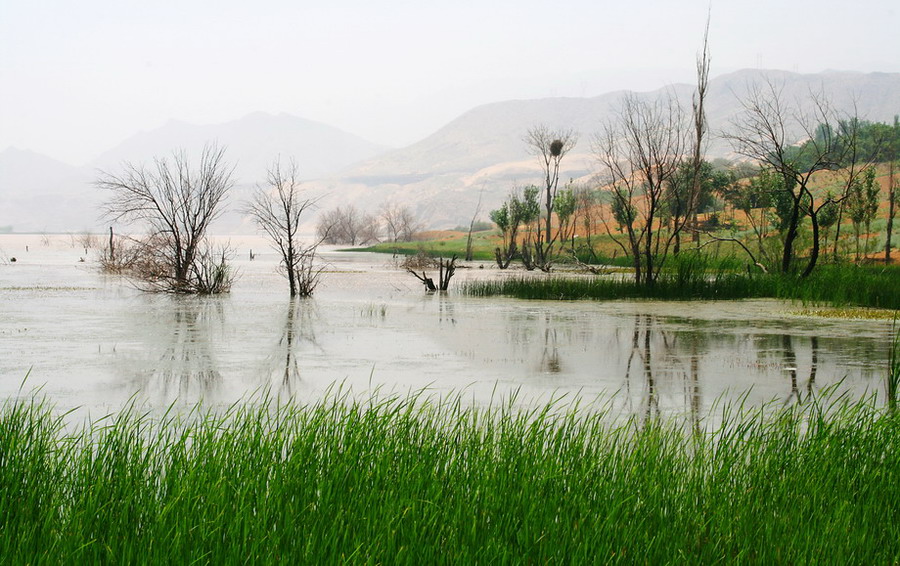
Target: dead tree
[[639, 152], [446, 269], [176, 203], [277, 209]]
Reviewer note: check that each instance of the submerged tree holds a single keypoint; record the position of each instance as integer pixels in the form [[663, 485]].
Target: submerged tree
[[176, 204], [277, 210]]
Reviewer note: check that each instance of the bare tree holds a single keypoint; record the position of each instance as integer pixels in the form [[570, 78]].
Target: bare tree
[[347, 225], [400, 222], [472, 225], [176, 203], [549, 146], [639, 151], [277, 210], [700, 127], [889, 228]]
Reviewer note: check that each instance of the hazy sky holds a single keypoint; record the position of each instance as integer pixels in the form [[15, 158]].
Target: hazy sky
[[78, 77]]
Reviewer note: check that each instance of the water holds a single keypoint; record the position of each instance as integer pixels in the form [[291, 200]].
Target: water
[[94, 341]]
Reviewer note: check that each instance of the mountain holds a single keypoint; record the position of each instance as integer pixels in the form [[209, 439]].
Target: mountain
[[482, 152], [40, 194], [251, 143]]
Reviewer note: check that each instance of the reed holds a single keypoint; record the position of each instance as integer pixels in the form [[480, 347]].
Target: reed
[[413, 480], [701, 279]]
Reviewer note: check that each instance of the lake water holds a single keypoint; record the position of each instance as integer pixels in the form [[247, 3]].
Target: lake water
[[94, 341]]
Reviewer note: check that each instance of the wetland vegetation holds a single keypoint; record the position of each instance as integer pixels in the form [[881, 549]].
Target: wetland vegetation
[[407, 479]]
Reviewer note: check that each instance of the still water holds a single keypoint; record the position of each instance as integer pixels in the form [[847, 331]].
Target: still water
[[94, 341]]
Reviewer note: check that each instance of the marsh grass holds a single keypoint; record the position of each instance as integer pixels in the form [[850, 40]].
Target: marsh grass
[[414, 480], [698, 278]]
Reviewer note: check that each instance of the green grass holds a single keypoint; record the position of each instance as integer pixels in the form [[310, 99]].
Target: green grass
[[483, 245], [411, 480], [835, 285]]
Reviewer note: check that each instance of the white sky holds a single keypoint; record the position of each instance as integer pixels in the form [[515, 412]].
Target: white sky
[[78, 77]]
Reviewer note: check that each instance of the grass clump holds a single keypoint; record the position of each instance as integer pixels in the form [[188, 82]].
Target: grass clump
[[414, 480]]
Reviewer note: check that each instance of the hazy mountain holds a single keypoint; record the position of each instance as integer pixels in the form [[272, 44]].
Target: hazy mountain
[[251, 143], [481, 153], [40, 194], [483, 150]]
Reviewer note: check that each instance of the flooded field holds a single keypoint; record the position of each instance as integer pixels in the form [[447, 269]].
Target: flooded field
[[94, 341]]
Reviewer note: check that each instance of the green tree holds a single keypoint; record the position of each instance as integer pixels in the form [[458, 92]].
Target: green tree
[[862, 205], [519, 209]]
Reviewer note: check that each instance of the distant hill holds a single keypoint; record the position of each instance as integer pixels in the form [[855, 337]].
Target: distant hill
[[40, 194], [441, 177], [251, 143], [482, 151]]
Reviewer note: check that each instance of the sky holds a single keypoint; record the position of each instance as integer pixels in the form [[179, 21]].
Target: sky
[[77, 78]]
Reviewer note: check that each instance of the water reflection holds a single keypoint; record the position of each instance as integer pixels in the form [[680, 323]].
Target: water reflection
[[92, 339], [550, 357], [183, 333], [299, 322]]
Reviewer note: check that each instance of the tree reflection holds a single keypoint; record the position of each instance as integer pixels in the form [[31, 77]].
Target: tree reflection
[[550, 360], [789, 365], [187, 369], [298, 328]]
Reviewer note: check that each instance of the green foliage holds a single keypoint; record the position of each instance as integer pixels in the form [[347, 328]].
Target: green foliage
[[862, 198], [565, 205], [624, 211], [758, 193], [680, 185], [527, 207], [828, 213], [410, 480], [847, 140], [500, 217]]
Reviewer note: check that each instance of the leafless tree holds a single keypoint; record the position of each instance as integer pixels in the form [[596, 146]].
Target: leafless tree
[[347, 225], [550, 146], [277, 209], [469, 251], [700, 129], [176, 204], [639, 151], [400, 222], [446, 268]]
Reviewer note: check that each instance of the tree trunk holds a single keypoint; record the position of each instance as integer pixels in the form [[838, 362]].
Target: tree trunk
[[814, 255], [890, 218], [788, 255]]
